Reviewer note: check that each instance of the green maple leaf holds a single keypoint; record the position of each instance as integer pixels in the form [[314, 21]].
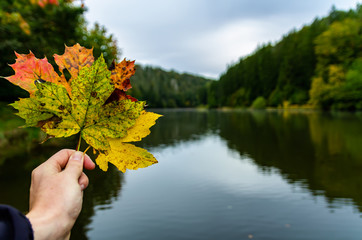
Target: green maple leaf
[[93, 104], [85, 112]]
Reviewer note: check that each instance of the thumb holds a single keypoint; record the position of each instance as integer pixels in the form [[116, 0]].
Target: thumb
[[75, 164]]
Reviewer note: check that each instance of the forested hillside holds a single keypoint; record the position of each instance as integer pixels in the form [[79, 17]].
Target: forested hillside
[[162, 88], [319, 65]]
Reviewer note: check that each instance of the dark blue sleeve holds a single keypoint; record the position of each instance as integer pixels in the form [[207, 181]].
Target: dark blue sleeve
[[14, 225]]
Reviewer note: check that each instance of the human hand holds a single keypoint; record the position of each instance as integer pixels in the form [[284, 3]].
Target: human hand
[[56, 194]]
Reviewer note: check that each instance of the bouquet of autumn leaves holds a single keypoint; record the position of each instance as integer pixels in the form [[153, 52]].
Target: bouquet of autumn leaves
[[92, 103]]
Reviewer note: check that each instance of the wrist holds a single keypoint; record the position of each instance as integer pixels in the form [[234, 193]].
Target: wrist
[[47, 227]]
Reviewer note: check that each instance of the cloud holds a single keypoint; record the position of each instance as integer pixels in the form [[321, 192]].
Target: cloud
[[201, 36]]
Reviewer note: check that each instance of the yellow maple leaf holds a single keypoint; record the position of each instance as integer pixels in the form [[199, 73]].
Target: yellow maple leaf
[[124, 155], [141, 128]]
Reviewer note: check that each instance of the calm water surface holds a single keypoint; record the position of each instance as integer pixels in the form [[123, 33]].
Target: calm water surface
[[221, 175]]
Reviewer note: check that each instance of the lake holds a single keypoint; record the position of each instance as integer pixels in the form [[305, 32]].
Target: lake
[[232, 174]]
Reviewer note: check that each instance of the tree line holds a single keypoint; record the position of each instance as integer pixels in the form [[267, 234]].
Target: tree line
[[320, 65], [168, 89]]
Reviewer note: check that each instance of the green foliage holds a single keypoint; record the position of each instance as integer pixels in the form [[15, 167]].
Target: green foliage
[[259, 103], [239, 98], [101, 43], [346, 95], [299, 97], [311, 65], [317, 90], [340, 43], [337, 83], [275, 98], [354, 74], [25, 25]]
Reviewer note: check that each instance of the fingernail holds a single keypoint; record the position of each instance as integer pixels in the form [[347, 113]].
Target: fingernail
[[77, 156]]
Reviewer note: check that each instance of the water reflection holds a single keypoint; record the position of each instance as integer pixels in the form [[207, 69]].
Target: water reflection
[[178, 126], [318, 151], [104, 188]]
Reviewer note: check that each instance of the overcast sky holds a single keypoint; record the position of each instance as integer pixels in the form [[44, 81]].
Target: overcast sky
[[202, 36]]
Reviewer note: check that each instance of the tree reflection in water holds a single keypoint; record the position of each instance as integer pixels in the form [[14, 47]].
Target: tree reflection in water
[[319, 151]]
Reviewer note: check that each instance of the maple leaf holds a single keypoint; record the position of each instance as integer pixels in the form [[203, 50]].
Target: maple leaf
[[30, 110], [28, 69], [73, 59], [85, 112], [120, 95], [124, 155], [120, 75], [85, 106], [141, 128]]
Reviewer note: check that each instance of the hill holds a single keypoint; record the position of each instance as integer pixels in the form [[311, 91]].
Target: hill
[[319, 65], [170, 89]]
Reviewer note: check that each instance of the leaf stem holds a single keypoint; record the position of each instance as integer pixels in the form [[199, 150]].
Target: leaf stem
[[86, 149], [79, 141]]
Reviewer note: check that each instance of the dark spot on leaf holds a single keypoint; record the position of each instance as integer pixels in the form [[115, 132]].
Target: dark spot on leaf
[[42, 104], [94, 94], [61, 107]]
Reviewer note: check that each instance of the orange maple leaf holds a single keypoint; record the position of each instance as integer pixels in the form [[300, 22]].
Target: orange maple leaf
[[29, 69], [73, 59], [121, 74]]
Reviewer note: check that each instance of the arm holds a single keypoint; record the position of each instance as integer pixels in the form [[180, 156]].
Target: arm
[[56, 194]]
